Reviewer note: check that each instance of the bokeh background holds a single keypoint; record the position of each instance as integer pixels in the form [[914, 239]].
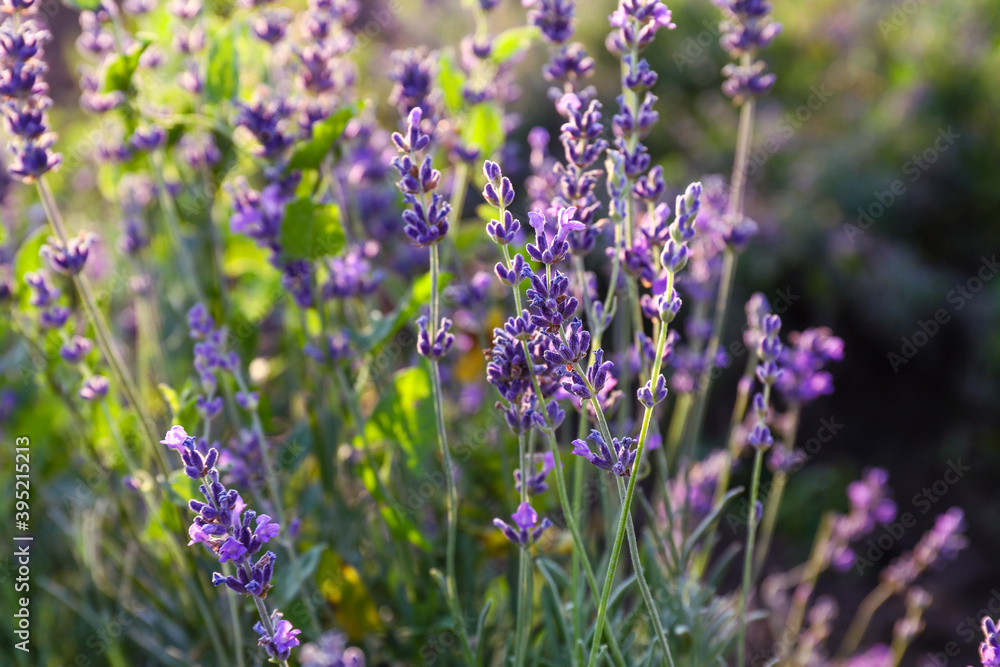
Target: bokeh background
[[875, 180]]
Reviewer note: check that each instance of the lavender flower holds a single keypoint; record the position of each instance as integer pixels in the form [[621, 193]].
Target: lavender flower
[[234, 534], [270, 25], [413, 75], [148, 138], [75, 349], [870, 505], [352, 275], [989, 650], [71, 258], [426, 222], [526, 529], [617, 459], [268, 119], [802, 376], [694, 492], [637, 22], [24, 92], [441, 343], [43, 292], [331, 650], [550, 300], [536, 479], [554, 18], [747, 29], [280, 643], [941, 543], [94, 388]]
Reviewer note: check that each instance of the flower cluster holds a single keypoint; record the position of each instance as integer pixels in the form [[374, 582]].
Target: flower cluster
[[211, 356], [692, 495], [233, 534], [989, 650], [539, 350], [576, 182], [941, 543], [571, 183], [526, 529], [569, 62], [323, 74], [260, 215], [426, 221], [803, 378], [537, 480], [24, 93], [747, 28], [619, 463], [767, 372], [331, 650], [870, 505]]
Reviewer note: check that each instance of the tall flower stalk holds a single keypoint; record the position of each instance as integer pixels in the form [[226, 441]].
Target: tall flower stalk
[[673, 258], [426, 223], [760, 440], [747, 29], [530, 354], [24, 98], [234, 533]]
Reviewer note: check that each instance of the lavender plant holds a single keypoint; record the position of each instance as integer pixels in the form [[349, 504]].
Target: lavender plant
[[251, 187], [234, 534]]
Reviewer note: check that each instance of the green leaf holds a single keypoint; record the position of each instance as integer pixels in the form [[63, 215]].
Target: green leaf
[[451, 80], [171, 398], [222, 77], [404, 415], [309, 154], [395, 516], [27, 258], [81, 5], [411, 303], [484, 129], [121, 68], [290, 579], [311, 230], [511, 42]]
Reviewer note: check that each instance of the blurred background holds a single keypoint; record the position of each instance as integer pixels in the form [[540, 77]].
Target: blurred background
[[875, 180]]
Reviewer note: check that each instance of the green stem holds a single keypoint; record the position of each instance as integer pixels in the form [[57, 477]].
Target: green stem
[[105, 340], [173, 226], [862, 618], [800, 598], [565, 505], [735, 214], [234, 617], [522, 591], [624, 521], [773, 502], [274, 492], [748, 556], [112, 354], [449, 470]]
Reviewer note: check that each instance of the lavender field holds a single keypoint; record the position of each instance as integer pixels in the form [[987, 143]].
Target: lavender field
[[551, 333]]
